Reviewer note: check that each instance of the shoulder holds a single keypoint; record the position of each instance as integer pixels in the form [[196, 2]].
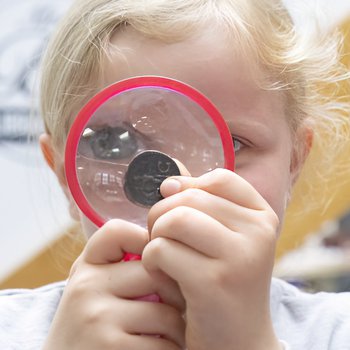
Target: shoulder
[[41, 299], [310, 321], [57, 286], [26, 315]]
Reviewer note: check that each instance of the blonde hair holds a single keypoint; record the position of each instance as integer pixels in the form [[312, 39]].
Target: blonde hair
[[262, 29]]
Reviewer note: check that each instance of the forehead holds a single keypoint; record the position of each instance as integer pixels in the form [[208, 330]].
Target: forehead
[[209, 61], [198, 60]]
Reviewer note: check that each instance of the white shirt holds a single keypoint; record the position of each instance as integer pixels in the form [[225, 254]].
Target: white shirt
[[302, 321]]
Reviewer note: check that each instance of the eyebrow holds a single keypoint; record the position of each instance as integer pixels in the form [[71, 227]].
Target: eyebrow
[[246, 125]]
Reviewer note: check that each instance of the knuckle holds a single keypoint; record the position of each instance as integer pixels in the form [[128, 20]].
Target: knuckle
[[98, 322], [218, 177], [172, 219], [75, 267], [80, 284], [222, 175], [193, 195], [77, 291], [176, 220], [112, 225], [275, 221], [221, 277], [95, 313], [115, 340], [154, 249], [268, 227], [272, 221], [180, 216]]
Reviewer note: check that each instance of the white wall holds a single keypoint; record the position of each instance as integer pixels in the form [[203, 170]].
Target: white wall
[[327, 12], [32, 208]]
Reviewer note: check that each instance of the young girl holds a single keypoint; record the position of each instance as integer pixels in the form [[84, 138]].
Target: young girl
[[209, 248]]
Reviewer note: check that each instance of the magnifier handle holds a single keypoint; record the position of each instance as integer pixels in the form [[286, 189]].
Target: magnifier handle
[[150, 297], [131, 257]]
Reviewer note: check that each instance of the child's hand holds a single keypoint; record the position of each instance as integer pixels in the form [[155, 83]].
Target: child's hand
[[97, 311], [215, 235]]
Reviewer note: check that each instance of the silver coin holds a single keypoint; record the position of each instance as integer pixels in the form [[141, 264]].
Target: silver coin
[[145, 174]]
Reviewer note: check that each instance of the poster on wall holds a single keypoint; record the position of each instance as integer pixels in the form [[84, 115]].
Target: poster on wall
[[25, 27]]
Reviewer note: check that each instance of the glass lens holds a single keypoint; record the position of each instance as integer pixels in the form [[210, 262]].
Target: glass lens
[[134, 121]]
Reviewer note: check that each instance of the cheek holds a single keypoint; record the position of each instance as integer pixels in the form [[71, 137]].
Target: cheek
[[274, 192], [272, 183]]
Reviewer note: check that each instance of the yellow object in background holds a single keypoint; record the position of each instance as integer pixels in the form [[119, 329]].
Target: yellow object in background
[[51, 265], [336, 193]]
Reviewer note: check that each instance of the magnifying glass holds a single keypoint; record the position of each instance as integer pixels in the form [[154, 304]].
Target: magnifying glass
[[134, 134]]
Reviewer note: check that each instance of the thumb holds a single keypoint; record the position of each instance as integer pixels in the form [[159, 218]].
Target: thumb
[[183, 170], [112, 240], [172, 184]]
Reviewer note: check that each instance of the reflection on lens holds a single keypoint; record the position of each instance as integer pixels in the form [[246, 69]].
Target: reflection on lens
[[110, 143], [107, 186], [149, 111], [101, 181]]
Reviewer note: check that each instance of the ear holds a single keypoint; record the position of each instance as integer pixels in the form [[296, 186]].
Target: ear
[[302, 146], [56, 163]]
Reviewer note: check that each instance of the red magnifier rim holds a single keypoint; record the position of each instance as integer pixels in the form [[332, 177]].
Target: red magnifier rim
[[115, 89]]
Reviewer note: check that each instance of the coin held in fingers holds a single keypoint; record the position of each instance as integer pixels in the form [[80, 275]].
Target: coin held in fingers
[[145, 174]]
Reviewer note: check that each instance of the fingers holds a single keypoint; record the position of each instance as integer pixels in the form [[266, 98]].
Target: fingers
[[229, 214], [176, 260], [145, 342], [112, 240], [154, 318], [99, 296], [219, 182], [209, 213], [168, 290], [193, 228], [222, 195], [131, 281], [127, 280]]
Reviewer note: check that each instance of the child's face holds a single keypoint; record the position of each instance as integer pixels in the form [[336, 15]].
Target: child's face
[[213, 65]]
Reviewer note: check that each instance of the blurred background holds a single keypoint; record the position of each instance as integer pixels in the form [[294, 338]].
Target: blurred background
[[38, 241]]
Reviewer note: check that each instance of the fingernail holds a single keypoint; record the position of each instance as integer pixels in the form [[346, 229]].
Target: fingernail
[[170, 187]]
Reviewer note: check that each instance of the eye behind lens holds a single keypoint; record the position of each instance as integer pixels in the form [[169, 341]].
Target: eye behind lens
[[113, 143]]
